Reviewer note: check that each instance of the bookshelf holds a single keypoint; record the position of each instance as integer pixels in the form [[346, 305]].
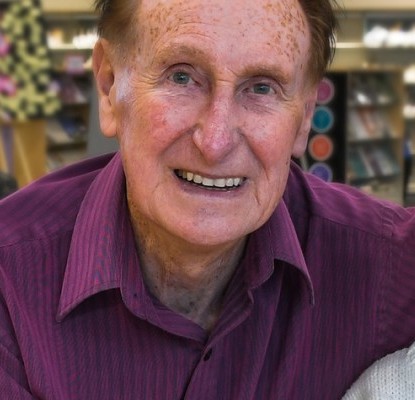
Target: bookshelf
[[71, 37], [376, 40], [375, 132]]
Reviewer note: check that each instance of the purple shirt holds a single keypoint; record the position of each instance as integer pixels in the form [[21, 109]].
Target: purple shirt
[[325, 288]]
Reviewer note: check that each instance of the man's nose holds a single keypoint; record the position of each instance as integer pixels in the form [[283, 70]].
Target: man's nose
[[216, 134]]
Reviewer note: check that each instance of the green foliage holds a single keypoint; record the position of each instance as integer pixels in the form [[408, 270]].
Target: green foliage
[[25, 82]]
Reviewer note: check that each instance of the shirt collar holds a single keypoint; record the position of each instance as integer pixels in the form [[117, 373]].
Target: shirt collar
[[103, 243], [275, 241], [101, 234]]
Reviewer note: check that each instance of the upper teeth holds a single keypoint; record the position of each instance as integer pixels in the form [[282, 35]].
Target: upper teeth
[[209, 182]]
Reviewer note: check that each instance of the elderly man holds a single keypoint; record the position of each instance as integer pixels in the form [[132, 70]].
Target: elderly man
[[198, 262]]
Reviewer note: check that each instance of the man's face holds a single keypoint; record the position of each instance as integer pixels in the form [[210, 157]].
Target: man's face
[[208, 110]]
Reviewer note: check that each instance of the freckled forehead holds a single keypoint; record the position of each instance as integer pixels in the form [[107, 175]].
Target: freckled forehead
[[279, 24]]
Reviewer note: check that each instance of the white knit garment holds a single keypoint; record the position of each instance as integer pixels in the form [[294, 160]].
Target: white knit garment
[[390, 378]]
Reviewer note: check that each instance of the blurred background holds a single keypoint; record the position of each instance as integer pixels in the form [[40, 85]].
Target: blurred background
[[363, 130]]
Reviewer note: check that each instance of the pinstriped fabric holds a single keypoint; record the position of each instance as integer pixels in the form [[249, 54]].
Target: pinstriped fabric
[[325, 288], [96, 248], [397, 311]]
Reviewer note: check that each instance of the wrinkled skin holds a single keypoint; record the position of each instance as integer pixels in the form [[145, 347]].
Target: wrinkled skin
[[218, 89]]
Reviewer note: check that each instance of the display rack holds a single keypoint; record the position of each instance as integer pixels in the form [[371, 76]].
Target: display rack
[[363, 43], [71, 37], [375, 132]]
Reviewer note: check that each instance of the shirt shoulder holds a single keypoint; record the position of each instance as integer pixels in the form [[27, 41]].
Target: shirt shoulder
[[308, 197], [48, 206], [352, 240]]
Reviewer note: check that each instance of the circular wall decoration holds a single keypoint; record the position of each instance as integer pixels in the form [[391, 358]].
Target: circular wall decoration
[[322, 170], [320, 147], [323, 119], [326, 91]]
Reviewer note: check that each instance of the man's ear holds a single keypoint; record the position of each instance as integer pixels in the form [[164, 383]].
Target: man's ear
[[301, 140], [104, 77]]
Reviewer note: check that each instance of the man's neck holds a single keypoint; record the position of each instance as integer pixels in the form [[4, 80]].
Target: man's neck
[[189, 280]]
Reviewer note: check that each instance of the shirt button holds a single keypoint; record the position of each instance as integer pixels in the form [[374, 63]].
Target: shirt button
[[207, 355]]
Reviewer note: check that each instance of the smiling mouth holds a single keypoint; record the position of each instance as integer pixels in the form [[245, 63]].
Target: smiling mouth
[[210, 183]]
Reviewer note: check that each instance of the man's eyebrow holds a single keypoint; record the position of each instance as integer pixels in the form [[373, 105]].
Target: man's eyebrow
[[174, 50], [265, 70]]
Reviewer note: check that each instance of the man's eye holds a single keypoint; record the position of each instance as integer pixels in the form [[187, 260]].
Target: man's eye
[[181, 78], [261, 88]]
